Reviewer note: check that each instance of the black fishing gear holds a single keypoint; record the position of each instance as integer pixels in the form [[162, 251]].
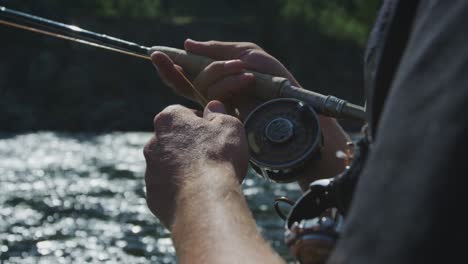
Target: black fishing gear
[[314, 223]]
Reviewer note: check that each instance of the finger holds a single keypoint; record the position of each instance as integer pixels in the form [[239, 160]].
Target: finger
[[219, 50], [171, 74], [216, 71], [213, 109], [230, 87]]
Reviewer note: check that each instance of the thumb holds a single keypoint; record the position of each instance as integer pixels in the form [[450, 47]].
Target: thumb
[[213, 109], [171, 74]]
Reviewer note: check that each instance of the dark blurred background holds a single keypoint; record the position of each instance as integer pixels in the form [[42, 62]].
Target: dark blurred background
[[51, 84]]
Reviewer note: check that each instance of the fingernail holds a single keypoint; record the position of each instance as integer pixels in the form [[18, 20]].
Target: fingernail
[[216, 107], [233, 64], [154, 55]]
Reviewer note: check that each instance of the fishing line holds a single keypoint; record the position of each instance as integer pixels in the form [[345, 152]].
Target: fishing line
[[81, 41]]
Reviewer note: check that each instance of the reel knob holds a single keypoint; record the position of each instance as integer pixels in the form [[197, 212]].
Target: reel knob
[[282, 135]]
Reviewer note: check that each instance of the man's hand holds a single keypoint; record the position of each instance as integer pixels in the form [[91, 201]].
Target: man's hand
[[194, 165], [185, 147], [223, 79]]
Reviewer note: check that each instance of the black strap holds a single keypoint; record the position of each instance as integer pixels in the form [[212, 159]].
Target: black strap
[[385, 49]]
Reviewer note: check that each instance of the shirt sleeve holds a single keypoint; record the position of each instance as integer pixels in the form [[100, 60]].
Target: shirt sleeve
[[408, 203]]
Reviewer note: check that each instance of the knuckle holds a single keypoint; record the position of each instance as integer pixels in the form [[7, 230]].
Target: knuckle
[[216, 66], [162, 119], [251, 45], [167, 116], [173, 109]]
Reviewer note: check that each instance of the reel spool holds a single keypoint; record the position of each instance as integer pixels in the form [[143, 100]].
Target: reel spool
[[282, 135]]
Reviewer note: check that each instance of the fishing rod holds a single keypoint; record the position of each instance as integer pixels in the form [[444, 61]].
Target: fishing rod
[[267, 86], [283, 133], [25, 21]]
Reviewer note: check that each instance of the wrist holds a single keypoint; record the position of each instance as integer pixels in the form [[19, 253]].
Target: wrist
[[332, 130], [215, 174], [335, 139], [206, 184], [207, 214]]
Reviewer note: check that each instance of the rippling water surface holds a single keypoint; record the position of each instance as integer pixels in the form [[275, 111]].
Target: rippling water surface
[[73, 198]]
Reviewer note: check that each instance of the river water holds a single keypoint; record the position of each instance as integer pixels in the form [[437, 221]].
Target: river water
[[79, 198]]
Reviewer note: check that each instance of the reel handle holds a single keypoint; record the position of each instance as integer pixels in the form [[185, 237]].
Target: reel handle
[[270, 87]]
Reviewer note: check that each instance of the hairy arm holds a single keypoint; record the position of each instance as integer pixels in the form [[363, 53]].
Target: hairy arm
[[214, 225], [195, 163]]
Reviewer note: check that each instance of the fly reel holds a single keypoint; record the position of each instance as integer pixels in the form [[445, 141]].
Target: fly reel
[[282, 134]]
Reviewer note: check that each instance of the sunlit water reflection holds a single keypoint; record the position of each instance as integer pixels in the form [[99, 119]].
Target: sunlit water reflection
[[73, 198]]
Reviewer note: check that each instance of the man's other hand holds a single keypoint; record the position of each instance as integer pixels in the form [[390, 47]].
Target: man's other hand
[[187, 148], [224, 78]]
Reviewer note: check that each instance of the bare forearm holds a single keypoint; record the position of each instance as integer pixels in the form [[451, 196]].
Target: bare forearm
[[214, 225], [329, 165]]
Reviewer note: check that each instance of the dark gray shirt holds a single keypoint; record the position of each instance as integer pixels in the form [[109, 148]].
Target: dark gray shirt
[[408, 206]]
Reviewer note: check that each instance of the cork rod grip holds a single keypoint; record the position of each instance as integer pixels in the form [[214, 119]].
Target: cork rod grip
[[267, 86]]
